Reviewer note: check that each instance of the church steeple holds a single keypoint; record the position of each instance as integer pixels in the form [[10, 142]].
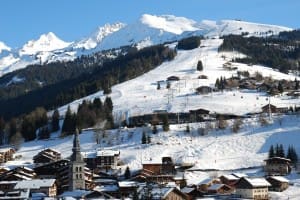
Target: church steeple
[[76, 155], [76, 172]]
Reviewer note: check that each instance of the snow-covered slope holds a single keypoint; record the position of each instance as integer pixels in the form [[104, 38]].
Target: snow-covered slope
[[140, 95], [97, 36], [146, 31]]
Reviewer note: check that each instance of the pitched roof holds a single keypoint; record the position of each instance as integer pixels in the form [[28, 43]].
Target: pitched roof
[[279, 178], [107, 153], [215, 186], [34, 184], [187, 190], [257, 182]]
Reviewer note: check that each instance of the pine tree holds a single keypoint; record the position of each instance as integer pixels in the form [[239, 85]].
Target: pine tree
[[108, 104], [296, 84], [55, 120], [127, 173], [280, 87], [28, 128], [148, 139], [187, 129], [158, 85], [292, 155], [69, 124], [199, 65], [144, 138], [165, 121], [217, 84], [271, 152], [12, 129], [154, 129], [281, 151], [2, 134], [168, 85]]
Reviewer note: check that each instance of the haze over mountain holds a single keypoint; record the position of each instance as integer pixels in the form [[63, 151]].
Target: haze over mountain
[[146, 31]]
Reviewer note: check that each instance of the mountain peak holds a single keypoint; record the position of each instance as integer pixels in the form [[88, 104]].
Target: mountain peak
[[169, 23], [46, 42], [98, 35], [3, 46]]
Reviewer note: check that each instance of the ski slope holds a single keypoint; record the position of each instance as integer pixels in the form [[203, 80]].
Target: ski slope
[[132, 98]]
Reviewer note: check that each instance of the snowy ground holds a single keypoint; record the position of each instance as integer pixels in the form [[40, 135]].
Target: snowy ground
[[132, 98], [221, 149]]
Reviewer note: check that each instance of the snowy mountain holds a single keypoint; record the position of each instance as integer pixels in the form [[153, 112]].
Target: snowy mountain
[[3, 47], [97, 36], [146, 31], [46, 42]]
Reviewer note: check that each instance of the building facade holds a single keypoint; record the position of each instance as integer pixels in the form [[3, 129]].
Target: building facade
[[76, 170]]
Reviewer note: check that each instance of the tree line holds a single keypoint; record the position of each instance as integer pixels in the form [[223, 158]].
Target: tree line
[[281, 53], [123, 68], [278, 151], [37, 125]]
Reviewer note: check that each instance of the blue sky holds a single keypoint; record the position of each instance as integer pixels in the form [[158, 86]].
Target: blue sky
[[22, 20]]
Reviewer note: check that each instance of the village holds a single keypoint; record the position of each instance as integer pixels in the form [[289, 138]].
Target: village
[[96, 175]]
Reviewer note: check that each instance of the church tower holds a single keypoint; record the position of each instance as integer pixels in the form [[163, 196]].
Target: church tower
[[76, 172]]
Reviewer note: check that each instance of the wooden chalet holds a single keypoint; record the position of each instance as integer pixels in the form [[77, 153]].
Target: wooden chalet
[[219, 189], [204, 90], [269, 108], [15, 194], [97, 195], [18, 174], [198, 115], [231, 179], [6, 154], [254, 188], [102, 159], [46, 186], [46, 156], [165, 193], [205, 184], [274, 109], [3, 170], [107, 185], [277, 166], [163, 167], [6, 186], [128, 188], [278, 183], [191, 192]]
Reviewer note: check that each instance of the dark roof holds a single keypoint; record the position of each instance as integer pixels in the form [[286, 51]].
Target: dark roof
[[278, 159]]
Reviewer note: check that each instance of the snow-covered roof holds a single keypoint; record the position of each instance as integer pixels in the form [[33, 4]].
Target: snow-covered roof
[[128, 184], [160, 192], [280, 178], [2, 150], [215, 186], [75, 193], [106, 188], [258, 182], [34, 184], [230, 177], [239, 175], [107, 153], [187, 190]]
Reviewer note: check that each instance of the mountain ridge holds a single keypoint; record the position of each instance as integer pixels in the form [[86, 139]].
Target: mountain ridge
[[147, 30]]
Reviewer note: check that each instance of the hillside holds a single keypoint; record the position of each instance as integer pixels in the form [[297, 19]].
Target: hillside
[[131, 98], [139, 80]]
